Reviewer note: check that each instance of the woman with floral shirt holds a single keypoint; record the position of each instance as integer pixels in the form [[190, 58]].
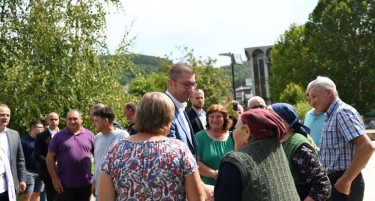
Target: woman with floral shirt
[[148, 165]]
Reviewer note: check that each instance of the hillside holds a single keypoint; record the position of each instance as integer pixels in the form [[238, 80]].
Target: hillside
[[147, 64]]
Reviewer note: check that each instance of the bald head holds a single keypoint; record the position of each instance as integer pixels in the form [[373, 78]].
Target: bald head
[[53, 120], [197, 99]]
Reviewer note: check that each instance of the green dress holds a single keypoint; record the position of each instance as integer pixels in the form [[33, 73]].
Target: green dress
[[212, 151]]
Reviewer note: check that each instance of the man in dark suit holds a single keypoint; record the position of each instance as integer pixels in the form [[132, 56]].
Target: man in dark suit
[[40, 152], [197, 115], [10, 143], [181, 84]]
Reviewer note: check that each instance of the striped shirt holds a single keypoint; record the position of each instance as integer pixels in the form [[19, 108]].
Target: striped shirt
[[342, 124]]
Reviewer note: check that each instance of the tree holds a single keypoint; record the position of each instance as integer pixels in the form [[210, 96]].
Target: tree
[[53, 57], [337, 42], [292, 94], [342, 38], [291, 61]]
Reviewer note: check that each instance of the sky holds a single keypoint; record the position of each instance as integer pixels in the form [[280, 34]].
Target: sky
[[206, 26]]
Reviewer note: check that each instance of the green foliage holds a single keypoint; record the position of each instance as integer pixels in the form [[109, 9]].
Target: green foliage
[[292, 94], [143, 65], [291, 61], [337, 42], [53, 58], [153, 82], [302, 108]]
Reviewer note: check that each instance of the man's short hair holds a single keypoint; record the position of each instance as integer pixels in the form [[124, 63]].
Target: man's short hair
[[131, 106], [3, 105], [97, 106], [105, 112], [75, 110], [178, 69], [154, 113], [33, 123], [322, 83], [258, 98], [44, 122]]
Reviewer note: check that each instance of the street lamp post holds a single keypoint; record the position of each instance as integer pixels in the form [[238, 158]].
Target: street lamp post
[[235, 59]]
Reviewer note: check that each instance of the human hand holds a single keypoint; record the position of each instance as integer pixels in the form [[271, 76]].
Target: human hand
[[343, 186], [209, 189], [308, 198], [22, 186], [57, 185], [216, 172]]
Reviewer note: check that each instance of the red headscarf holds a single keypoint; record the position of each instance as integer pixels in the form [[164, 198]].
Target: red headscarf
[[264, 123]]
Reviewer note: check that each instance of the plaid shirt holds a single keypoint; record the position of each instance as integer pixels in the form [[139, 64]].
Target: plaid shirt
[[342, 124]]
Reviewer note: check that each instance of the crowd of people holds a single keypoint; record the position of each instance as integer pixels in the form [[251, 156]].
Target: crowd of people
[[170, 153]]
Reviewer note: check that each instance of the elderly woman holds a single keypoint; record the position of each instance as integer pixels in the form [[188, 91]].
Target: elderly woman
[[258, 169], [214, 143], [309, 176], [148, 165]]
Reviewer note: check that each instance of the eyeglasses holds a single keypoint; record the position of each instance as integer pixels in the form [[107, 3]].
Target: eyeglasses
[[188, 85], [258, 106]]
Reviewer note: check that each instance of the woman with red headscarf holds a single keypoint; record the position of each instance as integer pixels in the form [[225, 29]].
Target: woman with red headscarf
[[258, 168]]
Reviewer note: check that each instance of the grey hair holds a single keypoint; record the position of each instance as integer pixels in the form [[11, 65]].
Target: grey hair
[[75, 110], [322, 83], [260, 99]]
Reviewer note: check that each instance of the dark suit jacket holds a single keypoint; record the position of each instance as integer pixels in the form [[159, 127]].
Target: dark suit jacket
[[40, 152], [17, 159], [178, 131], [195, 121]]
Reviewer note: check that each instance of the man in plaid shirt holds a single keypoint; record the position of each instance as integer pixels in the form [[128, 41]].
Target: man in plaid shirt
[[345, 148]]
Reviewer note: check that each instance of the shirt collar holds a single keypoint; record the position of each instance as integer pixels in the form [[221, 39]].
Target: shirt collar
[[4, 131], [203, 113], [335, 104], [180, 106]]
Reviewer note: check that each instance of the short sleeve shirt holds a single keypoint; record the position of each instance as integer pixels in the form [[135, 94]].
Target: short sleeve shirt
[[149, 170], [342, 124], [73, 157]]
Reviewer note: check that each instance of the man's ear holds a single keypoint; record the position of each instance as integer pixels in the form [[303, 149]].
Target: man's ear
[[329, 92]]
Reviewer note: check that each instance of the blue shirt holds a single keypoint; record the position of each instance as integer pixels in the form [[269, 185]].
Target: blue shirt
[[342, 124], [315, 123], [28, 144]]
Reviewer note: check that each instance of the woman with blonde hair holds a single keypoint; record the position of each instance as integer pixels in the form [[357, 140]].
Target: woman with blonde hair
[[148, 165]]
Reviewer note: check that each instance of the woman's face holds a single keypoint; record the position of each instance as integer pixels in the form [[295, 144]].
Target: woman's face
[[241, 135], [216, 120]]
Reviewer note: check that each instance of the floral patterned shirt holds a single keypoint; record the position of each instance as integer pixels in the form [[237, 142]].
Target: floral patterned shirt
[[311, 170], [149, 170]]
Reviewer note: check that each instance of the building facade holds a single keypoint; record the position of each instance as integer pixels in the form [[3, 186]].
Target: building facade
[[259, 59]]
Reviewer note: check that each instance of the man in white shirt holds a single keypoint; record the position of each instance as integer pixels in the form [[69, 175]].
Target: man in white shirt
[[12, 158]]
